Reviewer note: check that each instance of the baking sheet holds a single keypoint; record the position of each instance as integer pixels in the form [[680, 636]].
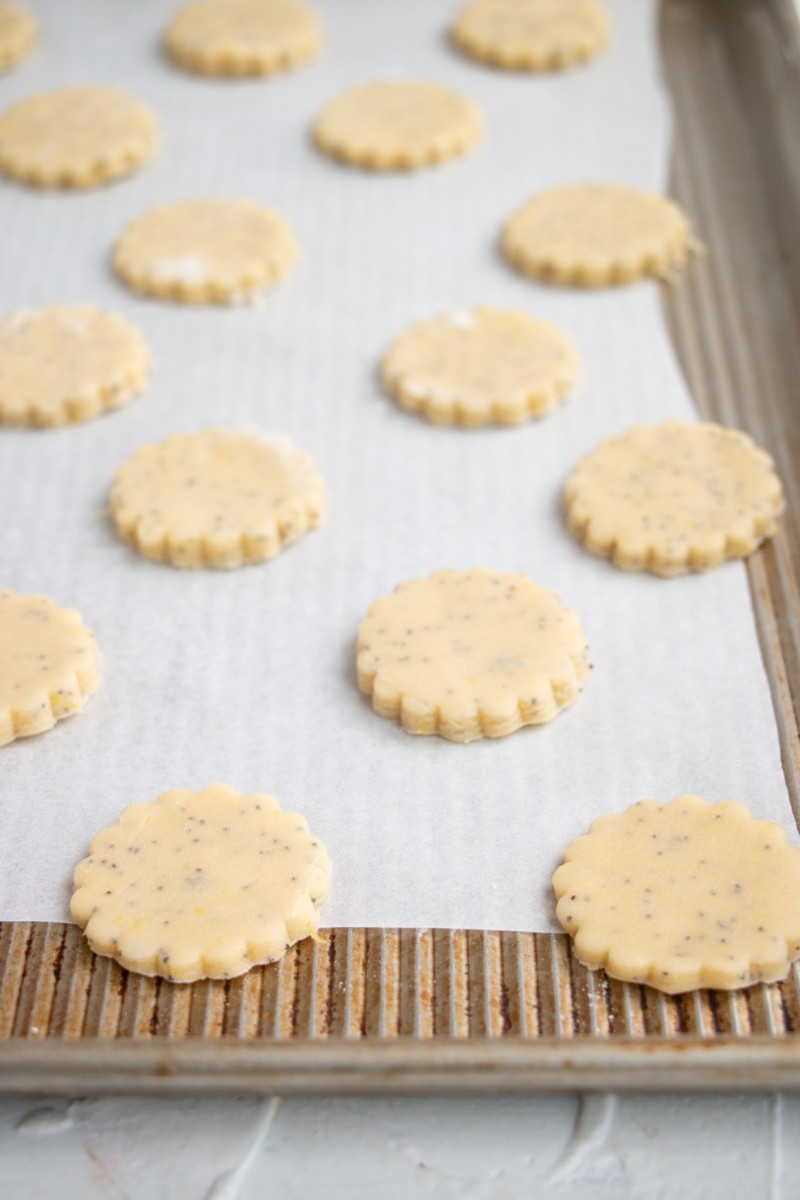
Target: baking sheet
[[248, 677]]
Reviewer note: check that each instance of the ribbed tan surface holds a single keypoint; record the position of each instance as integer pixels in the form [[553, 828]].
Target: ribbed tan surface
[[368, 983], [492, 1010], [734, 76]]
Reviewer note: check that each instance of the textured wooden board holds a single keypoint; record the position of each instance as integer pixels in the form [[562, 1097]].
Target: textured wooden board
[[399, 1010]]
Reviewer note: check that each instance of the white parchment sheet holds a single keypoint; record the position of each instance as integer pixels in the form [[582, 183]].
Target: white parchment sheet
[[248, 677]]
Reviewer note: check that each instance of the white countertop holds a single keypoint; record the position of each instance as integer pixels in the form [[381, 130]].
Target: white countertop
[[601, 1148]]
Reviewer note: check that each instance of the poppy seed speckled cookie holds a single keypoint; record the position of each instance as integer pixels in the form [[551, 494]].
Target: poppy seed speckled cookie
[[682, 895], [480, 366], [201, 885], [78, 137], [398, 124], [673, 498], [531, 35], [598, 235], [219, 498], [210, 251], [470, 654], [63, 364], [48, 664], [18, 32], [243, 37]]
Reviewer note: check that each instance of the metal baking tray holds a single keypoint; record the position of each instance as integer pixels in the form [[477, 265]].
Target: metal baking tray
[[403, 1010]]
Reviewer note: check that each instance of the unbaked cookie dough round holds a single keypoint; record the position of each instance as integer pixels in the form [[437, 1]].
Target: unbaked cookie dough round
[[243, 37], [674, 498], [18, 31], [470, 654], [218, 498], [210, 251], [682, 895], [597, 235], [398, 124], [480, 366], [201, 885], [531, 35], [48, 664], [77, 137], [63, 364]]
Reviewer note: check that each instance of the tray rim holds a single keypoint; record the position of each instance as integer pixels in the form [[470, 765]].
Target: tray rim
[[379, 1067]]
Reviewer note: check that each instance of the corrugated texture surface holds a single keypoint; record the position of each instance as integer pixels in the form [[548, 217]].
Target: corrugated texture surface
[[368, 983], [495, 1010], [734, 76]]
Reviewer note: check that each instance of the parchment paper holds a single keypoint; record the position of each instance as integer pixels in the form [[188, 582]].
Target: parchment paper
[[248, 677]]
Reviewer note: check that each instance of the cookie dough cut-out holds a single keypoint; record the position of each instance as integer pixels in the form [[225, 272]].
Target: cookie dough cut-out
[[598, 235], [63, 364], [531, 35], [211, 251], [77, 137], [218, 498], [682, 895], [398, 124], [48, 664], [469, 654], [243, 37], [200, 885], [18, 31], [480, 366], [674, 498]]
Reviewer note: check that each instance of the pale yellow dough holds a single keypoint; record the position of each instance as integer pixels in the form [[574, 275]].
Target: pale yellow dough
[[469, 654], [218, 498], [48, 664], [63, 364], [480, 366], [78, 137], [682, 895], [214, 251], [597, 235], [531, 35], [674, 498], [243, 37], [18, 31], [200, 885], [398, 124]]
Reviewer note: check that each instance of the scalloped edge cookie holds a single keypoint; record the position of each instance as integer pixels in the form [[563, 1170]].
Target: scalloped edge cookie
[[44, 383], [151, 516], [33, 149], [208, 268], [456, 368], [682, 895], [513, 35], [19, 32], [597, 235], [230, 882], [347, 128], [606, 512], [65, 663], [198, 40], [409, 646]]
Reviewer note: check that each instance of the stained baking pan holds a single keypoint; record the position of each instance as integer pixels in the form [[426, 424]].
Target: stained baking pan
[[400, 1010]]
